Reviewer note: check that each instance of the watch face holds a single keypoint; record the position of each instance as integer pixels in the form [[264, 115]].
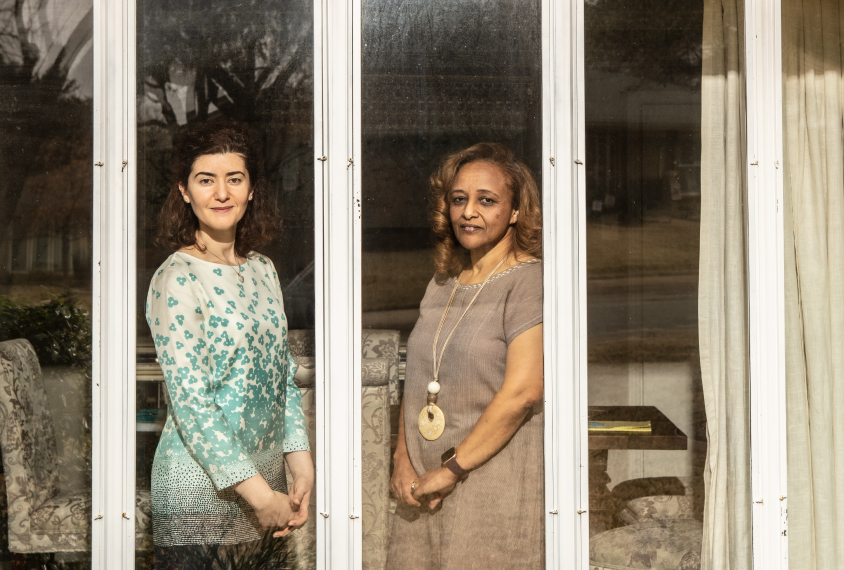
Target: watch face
[[448, 455]]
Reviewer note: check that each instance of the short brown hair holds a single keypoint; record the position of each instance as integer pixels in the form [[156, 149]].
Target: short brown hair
[[451, 258], [178, 224]]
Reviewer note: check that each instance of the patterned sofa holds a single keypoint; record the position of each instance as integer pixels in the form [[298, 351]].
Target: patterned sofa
[[379, 375], [660, 528], [41, 516]]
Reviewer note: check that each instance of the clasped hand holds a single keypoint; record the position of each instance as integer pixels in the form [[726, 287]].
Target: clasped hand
[[434, 486], [287, 512], [431, 488]]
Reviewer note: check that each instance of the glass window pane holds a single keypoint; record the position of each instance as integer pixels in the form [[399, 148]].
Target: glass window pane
[[203, 63], [46, 155], [19, 251], [439, 78], [665, 186]]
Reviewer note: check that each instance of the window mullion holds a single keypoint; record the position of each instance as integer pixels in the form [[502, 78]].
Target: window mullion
[[566, 460], [766, 283], [339, 317], [113, 407]]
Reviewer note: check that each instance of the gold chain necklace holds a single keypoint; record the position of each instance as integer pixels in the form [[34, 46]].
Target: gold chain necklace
[[238, 271], [431, 418]]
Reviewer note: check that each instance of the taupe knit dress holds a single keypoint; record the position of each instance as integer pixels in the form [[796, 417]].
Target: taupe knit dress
[[494, 518]]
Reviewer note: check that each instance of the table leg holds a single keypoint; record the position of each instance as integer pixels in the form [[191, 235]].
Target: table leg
[[600, 498]]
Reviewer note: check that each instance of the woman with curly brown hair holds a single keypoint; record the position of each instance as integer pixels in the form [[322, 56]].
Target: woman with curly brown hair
[[469, 460], [216, 313]]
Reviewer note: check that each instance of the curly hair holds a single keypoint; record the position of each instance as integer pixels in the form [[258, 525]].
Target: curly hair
[[451, 258], [177, 224]]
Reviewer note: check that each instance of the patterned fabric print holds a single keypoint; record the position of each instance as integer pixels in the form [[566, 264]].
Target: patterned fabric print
[[657, 508], [25, 398], [233, 409], [304, 540], [143, 521], [64, 513], [375, 445], [654, 545], [199, 514], [377, 343], [303, 350], [29, 451], [375, 372], [41, 517]]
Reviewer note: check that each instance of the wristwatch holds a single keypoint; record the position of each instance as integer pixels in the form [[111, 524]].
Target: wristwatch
[[449, 459]]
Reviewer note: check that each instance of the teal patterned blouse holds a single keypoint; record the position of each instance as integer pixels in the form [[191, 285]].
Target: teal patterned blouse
[[233, 409]]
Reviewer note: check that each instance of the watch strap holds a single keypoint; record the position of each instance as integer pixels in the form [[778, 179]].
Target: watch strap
[[452, 465]]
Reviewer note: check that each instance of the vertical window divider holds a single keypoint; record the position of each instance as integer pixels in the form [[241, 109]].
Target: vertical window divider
[[320, 200], [113, 318], [356, 168], [564, 247], [130, 286], [100, 181], [339, 317], [763, 45]]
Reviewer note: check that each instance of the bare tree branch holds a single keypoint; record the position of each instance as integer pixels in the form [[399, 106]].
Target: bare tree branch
[[29, 51]]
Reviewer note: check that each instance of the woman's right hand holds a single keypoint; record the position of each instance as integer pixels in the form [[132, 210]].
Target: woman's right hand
[[403, 477], [273, 509]]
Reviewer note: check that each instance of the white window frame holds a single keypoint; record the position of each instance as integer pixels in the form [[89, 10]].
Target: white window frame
[[766, 275], [564, 253], [337, 144], [113, 290], [338, 312]]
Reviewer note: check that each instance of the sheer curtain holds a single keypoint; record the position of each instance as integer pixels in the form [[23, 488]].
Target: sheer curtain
[[722, 296], [814, 248]]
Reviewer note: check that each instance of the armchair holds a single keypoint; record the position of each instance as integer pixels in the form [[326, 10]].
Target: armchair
[[41, 516], [379, 375], [661, 527]]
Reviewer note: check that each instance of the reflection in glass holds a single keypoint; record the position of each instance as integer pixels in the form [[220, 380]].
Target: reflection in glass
[[46, 149], [437, 78], [664, 136], [201, 61]]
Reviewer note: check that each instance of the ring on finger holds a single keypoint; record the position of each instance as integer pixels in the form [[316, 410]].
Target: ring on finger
[[413, 485]]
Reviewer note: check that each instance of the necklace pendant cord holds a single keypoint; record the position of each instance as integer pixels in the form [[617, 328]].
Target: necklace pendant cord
[[238, 271], [431, 418], [438, 361]]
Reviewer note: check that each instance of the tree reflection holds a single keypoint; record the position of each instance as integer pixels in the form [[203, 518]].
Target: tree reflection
[[199, 59], [46, 147], [654, 40]]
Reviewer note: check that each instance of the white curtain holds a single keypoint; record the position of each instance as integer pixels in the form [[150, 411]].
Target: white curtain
[[722, 297], [814, 249]]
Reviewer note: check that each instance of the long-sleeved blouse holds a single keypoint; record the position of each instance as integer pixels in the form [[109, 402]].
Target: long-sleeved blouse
[[233, 409]]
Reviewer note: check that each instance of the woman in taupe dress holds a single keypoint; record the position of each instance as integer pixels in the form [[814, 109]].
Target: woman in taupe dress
[[468, 464]]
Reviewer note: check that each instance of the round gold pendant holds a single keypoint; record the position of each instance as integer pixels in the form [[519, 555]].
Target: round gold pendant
[[431, 425]]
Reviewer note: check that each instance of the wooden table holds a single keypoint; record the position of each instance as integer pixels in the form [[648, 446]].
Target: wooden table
[[664, 435]]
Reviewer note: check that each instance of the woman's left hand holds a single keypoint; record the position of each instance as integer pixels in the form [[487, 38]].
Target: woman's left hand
[[434, 486], [300, 499], [302, 468]]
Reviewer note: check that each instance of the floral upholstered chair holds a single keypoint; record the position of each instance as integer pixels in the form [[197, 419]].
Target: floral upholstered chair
[[41, 516], [660, 531], [381, 343], [379, 378], [303, 349]]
